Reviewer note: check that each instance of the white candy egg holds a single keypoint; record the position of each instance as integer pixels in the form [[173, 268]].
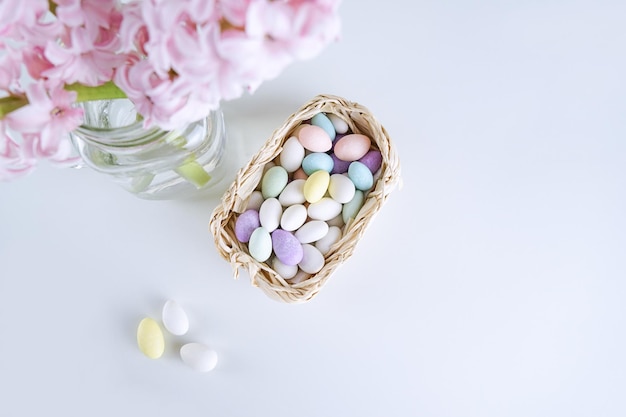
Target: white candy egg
[[312, 231], [336, 221], [341, 188], [255, 201], [338, 123], [332, 237], [293, 193], [270, 213], [292, 154], [312, 261], [174, 318], [325, 209], [299, 277], [285, 271], [199, 357], [293, 217]]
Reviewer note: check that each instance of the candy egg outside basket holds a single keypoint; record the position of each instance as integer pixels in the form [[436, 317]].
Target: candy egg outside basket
[[248, 179]]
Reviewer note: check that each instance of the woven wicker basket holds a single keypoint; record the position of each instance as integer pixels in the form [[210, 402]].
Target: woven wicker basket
[[235, 200]]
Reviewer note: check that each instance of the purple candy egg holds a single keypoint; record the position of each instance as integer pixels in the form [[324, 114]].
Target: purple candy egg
[[287, 247], [373, 160], [339, 166], [246, 223]]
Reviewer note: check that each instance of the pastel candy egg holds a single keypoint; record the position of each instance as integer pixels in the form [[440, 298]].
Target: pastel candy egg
[[150, 338], [339, 124], [317, 161], [316, 186], [260, 245], [361, 176], [255, 200], [270, 213], [312, 259], [245, 225], [352, 147], [351, 208], [373, 160], [298, 128], [292, 154], [300, 276], [199, 357], [336, 221], [332, 237], [312, 231], [293, 193], [287, 248], [314, 138], [174, 318], [325, 209], [274, 180], [293, 217], [341, 188], [339, 166], [321, 120], [285, 271], [300, 174]]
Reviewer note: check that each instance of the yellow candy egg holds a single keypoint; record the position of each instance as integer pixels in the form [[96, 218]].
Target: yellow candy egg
[[150, 338], [316, 186]]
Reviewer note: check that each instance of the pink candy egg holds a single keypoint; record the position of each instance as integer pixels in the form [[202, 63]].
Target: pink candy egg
[[315, 139], [301, 175], [352, 147]]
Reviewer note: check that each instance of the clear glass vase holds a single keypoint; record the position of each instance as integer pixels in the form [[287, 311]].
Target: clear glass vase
[[151, 163]]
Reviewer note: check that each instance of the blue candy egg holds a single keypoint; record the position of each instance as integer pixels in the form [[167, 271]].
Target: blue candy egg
[[317, 161], [360, 175]]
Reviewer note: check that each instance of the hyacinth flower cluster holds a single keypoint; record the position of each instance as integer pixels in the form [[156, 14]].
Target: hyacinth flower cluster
[[176, 60]]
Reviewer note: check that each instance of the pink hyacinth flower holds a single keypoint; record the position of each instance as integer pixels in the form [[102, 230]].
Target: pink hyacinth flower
[[50, 115], [36, 62], [26, 20], [79, 60], [300, 28], [162, 101], [234, 11]]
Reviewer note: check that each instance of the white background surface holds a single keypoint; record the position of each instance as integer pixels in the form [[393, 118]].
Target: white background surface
[[492, 284]]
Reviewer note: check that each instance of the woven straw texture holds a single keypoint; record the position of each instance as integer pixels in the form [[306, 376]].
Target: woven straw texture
[[235, 199]]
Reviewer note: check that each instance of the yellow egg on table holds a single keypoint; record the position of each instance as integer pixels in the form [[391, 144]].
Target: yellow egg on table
[[150, 338]]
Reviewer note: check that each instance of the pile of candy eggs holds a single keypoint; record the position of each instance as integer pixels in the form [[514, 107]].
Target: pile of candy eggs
[[306, 196]]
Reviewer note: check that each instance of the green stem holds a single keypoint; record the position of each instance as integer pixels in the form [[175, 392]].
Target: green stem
[[106, 91], [193, 172]]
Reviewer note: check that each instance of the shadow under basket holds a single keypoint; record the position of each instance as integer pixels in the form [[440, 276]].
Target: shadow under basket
[[235, 200]]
